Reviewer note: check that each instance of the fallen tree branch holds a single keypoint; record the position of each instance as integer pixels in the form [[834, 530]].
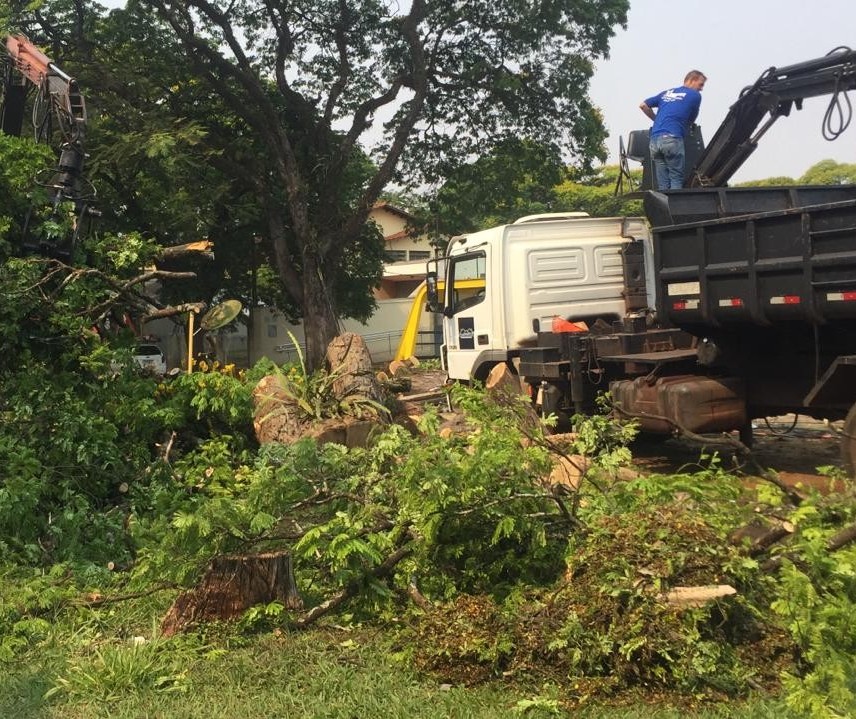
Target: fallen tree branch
[[761, 535], [382, 570], [697, 596], [419, 599], [202, 248], [172, 310], [96, 600], [841, 539], [837, 541]]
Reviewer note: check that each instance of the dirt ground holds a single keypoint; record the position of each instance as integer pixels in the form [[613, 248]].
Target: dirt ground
[[793, 449]]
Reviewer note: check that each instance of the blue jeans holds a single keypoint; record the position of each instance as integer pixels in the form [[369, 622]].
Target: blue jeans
[[667, 153]]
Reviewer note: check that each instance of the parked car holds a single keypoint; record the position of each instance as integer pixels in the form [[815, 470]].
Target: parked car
[[150, 358]]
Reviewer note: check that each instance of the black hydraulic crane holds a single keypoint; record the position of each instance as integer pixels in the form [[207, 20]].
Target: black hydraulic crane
[[773, 95]]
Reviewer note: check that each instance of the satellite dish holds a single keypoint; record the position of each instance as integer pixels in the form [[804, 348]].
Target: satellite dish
[[220, 315]]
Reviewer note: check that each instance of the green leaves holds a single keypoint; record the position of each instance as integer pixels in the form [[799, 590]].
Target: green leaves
[[313, 395], [816, 601]]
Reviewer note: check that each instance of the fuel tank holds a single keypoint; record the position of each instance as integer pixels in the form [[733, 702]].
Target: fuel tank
[[695, 404]]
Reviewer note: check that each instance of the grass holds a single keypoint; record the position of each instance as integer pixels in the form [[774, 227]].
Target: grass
[[101, 671]]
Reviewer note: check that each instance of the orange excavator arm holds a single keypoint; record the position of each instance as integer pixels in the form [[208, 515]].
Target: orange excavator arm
[[31, 62], [59, 88], [57, 97]]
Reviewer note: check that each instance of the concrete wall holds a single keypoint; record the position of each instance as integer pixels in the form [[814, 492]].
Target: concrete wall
[[382, 332], [171, 337]]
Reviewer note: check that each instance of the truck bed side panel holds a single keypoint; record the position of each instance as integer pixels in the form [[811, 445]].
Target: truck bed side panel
[[797, 264]]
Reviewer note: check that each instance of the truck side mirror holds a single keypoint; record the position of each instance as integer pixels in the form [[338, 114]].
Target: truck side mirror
[[433, 298]]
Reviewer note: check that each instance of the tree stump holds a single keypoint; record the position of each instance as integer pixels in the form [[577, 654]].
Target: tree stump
[[348, 356], [503, 386], [276, 417], [231, 585]]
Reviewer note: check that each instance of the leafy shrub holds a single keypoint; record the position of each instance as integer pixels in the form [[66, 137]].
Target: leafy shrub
[[817, 601], [465, 512], [607, 625]]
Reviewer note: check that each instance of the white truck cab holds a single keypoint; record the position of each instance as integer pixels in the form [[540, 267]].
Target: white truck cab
[[506, 284]]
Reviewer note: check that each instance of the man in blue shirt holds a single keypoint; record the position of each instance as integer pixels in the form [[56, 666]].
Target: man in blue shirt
[[677, 109]]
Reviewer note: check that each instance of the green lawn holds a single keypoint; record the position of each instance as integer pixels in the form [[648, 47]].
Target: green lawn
[[324, 674]]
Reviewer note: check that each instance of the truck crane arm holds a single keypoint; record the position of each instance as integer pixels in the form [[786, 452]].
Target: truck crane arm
[[57, 96], [772, 96]]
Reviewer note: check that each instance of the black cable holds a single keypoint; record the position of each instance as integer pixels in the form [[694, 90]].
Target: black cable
[[781, 433], [831, 132], [837, 114]]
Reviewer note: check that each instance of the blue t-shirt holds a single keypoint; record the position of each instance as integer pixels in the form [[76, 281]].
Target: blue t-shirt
[[677, 110]]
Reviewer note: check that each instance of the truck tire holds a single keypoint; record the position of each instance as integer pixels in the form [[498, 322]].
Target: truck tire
[[848, 443]]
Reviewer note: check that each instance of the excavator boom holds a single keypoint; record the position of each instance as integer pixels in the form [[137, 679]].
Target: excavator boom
[[31, 62], [55, 85], [56, 97]]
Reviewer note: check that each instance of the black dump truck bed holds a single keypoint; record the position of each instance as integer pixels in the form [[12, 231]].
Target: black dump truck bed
[[757, 256]]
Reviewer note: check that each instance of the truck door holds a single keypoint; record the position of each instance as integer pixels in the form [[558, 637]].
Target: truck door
[[467, 314]]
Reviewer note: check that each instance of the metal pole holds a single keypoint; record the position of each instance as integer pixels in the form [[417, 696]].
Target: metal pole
[[190, 341], [254, 300]]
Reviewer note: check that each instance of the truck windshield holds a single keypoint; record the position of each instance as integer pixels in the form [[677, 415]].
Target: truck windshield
[[467, 280]]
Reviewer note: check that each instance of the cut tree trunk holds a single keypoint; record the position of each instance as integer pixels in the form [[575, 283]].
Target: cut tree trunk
[[503, 387], [276, 417], [348, 357], [762, 534], [232, 585]]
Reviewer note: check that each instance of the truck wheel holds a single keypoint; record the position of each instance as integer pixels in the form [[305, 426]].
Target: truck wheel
[[848, 443]]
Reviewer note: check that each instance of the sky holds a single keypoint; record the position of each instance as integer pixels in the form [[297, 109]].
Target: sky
[[732, 42]]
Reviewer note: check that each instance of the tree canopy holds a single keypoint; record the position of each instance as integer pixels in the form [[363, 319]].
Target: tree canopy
[[825, 172], [288, 94], [285, 121]]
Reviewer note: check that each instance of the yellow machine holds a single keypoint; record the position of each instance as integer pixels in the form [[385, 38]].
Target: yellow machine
[[407, 344]]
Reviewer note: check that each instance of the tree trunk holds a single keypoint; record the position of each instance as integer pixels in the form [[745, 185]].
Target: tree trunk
[[349, 356], [320, 325], [232, 585]]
